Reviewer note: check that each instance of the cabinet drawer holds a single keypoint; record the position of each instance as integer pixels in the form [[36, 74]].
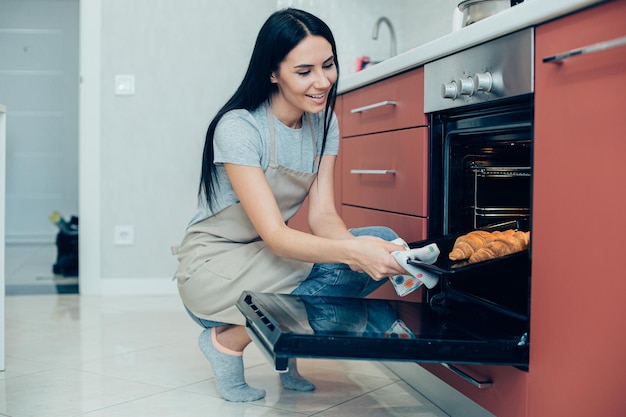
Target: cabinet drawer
[[411, 229], [365, 112], [387, 171]]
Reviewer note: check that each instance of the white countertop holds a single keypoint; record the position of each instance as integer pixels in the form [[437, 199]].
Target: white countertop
[[523, 15]]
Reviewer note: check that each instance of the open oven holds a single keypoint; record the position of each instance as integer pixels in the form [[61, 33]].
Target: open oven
[[485, 163], [479, 105]]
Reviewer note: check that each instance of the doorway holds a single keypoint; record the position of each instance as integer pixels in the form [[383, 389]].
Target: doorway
[[39, 84]]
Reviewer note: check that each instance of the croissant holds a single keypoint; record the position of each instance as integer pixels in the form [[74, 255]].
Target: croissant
[[498, 234], [504, 245], [466, 245]]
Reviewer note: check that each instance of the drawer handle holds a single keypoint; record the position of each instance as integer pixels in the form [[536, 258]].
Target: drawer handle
[[602, 46], [468, 378], [373, 106], [373, 171]]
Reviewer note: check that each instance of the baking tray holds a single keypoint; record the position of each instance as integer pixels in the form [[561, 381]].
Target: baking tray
[[501, 284]]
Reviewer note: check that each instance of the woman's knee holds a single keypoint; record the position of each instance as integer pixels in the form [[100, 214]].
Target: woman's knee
[[382, 232]]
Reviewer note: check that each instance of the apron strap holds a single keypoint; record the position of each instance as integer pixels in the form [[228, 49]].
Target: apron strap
[[270, 122]]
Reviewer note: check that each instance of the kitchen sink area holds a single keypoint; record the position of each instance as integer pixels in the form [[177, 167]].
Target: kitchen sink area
[[522, 15]]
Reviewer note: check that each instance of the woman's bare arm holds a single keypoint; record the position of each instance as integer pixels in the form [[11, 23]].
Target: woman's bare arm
[[369, 256]]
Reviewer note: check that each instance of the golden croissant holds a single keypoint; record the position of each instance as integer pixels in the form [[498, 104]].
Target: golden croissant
[[501, 246], [466, 245]]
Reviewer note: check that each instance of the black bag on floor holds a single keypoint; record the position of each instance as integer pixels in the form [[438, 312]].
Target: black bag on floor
[[67, 247]]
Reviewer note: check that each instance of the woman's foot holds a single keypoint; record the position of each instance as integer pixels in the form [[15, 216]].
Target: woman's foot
[[292, 380], [228, 369]]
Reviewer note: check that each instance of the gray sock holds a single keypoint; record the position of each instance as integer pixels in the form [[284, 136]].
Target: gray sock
[[293, 380], [228, 370]]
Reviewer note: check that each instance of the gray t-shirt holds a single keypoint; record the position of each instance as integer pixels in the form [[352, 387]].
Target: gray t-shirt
[[242, 137]]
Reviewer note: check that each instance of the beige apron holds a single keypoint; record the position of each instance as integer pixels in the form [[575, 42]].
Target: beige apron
[[223, 255]]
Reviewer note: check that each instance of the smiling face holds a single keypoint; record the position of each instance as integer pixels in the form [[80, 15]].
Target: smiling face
[[304, 79]]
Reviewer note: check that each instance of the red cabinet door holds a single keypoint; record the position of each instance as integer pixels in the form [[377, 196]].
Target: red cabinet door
[[578, 329], [391, 104], [387, 171], [409, 228]]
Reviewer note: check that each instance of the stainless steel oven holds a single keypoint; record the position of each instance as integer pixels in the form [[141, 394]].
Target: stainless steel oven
[[479, 104], [480, 107]]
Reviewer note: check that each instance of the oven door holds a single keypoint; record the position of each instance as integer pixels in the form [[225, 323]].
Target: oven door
[[285, 326]]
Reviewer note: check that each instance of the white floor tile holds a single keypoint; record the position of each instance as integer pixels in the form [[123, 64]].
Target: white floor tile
[[333, 387], [394, 400], [188, 404], [66, 392], [19, 367], [29, 270], [69, 355], [169, 366]]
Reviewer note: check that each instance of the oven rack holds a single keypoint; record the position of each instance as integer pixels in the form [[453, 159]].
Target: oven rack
[[501, 211], [481, 171], [499, 172]]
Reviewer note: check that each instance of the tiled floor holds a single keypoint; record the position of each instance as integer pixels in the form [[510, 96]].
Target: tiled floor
[[28, 270], [70, 355]]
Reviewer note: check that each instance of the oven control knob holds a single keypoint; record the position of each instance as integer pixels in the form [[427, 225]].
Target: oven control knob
[[449, 90], [483, 81], [465, 86]]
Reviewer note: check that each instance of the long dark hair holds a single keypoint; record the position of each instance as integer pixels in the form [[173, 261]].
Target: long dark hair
[[280, 33]]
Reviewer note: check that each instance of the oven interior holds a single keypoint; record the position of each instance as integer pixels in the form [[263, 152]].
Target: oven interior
[[482, 174]]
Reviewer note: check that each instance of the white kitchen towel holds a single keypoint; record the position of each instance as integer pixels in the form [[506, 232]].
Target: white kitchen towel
[[404, 284]]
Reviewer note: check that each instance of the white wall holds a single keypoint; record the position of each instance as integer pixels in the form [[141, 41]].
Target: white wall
[[352, 22], [3, 127], [140, 154]]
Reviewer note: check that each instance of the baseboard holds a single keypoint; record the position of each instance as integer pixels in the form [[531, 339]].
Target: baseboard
[[30, 239]]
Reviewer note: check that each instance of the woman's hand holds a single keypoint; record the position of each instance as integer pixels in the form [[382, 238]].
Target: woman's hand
[[372, 255], [367, 254]]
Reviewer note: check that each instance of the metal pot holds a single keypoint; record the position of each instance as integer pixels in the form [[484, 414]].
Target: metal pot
[[475, 10]]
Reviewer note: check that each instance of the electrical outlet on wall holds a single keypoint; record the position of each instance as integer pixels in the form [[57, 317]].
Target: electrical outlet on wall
[[124, 234]]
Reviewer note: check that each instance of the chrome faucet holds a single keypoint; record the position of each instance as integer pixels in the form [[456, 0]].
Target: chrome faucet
[[393, 49]]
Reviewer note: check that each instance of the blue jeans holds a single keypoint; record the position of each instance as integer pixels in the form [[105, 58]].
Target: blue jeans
[[338, 280], [335, 280]]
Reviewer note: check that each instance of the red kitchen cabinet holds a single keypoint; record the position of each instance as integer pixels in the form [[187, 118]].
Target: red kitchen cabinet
[[385, 155], [390, 104], [385, 160], [407, 225], [387, 171], [578, 333], [390, 136]]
